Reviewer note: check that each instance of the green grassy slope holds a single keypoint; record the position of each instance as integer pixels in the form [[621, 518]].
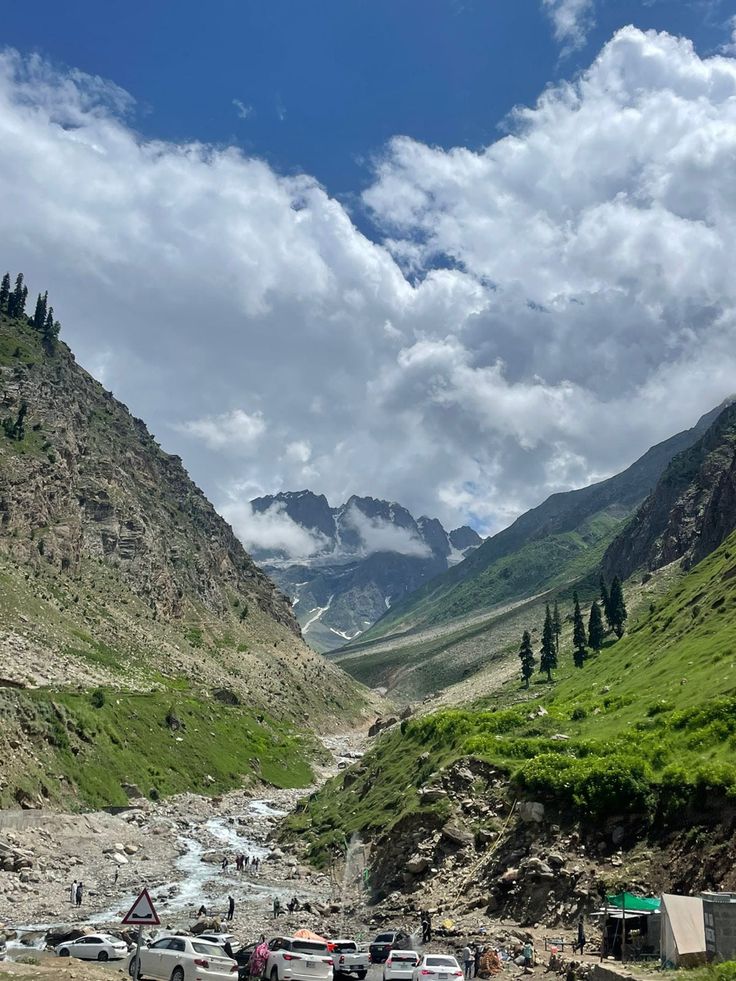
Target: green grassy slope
[[647, 727]]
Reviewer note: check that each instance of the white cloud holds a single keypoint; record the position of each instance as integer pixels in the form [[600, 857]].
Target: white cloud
[[271, 530], [571, 20], [590, 310], [243, 110], [232, 431], [378, 535], [299, 451]]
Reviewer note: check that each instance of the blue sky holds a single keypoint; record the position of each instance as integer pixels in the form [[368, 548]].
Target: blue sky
[[314, 249], [326, 83]]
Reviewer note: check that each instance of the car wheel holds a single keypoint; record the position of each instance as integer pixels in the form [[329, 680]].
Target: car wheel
[[103, 956], [177, 974], [64, 953], [133, 968], [274, 974]]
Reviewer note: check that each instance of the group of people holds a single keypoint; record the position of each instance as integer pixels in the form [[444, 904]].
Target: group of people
[[484, 962], [242, 862], [76, 893]]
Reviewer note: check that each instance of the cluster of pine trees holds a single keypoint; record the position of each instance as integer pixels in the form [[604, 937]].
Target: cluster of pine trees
[[605, 616], [13, 304]]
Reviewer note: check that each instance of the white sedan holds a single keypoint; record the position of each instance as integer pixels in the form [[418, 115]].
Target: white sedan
[[95, 947], [400, 964], [437, 967], [183, 959]]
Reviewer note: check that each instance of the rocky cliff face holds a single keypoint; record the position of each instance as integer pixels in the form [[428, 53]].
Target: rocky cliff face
[[690, 511], [116, 568], [368, 554]]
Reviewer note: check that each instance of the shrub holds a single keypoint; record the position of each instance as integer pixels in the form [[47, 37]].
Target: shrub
[[578, 714], [97, 698]]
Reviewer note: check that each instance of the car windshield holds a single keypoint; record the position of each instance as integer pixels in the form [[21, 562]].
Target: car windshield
[[310, 947], [212, 949], [384, 938], [441, 962], [411, 958], [341, 946]]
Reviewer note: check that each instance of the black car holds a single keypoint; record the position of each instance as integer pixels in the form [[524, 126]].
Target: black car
[[386, 942]]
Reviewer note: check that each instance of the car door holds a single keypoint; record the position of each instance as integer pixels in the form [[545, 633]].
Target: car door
[[152, 959], [85, 948], [173, 955]]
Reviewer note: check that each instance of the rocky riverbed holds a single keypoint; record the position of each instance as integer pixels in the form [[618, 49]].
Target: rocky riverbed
[[173, 848]]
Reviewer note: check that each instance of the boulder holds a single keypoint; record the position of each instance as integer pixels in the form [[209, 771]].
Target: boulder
[[431, 794], [417, 864], [531, 811], [456, 834], [207, 924]]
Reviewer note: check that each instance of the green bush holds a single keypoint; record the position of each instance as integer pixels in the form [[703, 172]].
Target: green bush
[[97, 698]]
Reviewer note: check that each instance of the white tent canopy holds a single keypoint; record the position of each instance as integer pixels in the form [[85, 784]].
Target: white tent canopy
[[683, 931]]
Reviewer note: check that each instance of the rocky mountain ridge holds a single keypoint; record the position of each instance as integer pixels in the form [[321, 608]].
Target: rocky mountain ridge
[[691, 510], [559, 541], [118, 573], [368, 554]]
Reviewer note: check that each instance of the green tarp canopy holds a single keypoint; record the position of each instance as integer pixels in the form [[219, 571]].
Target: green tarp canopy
[[633, 904]]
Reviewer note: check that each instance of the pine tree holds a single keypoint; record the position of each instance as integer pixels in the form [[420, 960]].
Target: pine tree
[[548, 659], [16, 301], [596, 633], [579, 639], [5, 293], [39, 317], [619, 614], [51, 328], [606, 602], [556, 627], [526, 656]]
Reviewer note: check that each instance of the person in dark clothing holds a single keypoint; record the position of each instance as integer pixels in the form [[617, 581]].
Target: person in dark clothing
[[228, 950], [80, 893], [476, 959], [202, 911], [581, 941], [230, 908]]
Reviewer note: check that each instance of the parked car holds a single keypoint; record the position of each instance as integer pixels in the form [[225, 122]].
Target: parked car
[[298, 959], [386, 942], [349, 959], [437, 967], [95, 947], [183, 959], [221, 939], [400, 965]]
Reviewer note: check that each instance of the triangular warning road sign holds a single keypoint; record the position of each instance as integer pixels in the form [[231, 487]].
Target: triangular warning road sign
[[142, 912]]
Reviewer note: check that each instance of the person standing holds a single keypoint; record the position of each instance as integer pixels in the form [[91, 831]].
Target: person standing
[[73, 893], [476, 958], [468, 961], [528, 954], [581, 941], [80, 893], [276, 907], [230, 908]]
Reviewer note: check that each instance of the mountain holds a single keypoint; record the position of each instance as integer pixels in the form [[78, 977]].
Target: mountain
[[367, 555], [629, 761], [453, 624], [139, 642], [690, 511]]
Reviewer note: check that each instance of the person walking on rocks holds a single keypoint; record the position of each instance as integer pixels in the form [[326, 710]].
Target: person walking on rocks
[[276, 907], [528, 954], [230, 908], [468, 961], [73, 893], [80, 893]]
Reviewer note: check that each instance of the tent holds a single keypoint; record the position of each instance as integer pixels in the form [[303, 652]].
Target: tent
[[632, 903], [683, 931]]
